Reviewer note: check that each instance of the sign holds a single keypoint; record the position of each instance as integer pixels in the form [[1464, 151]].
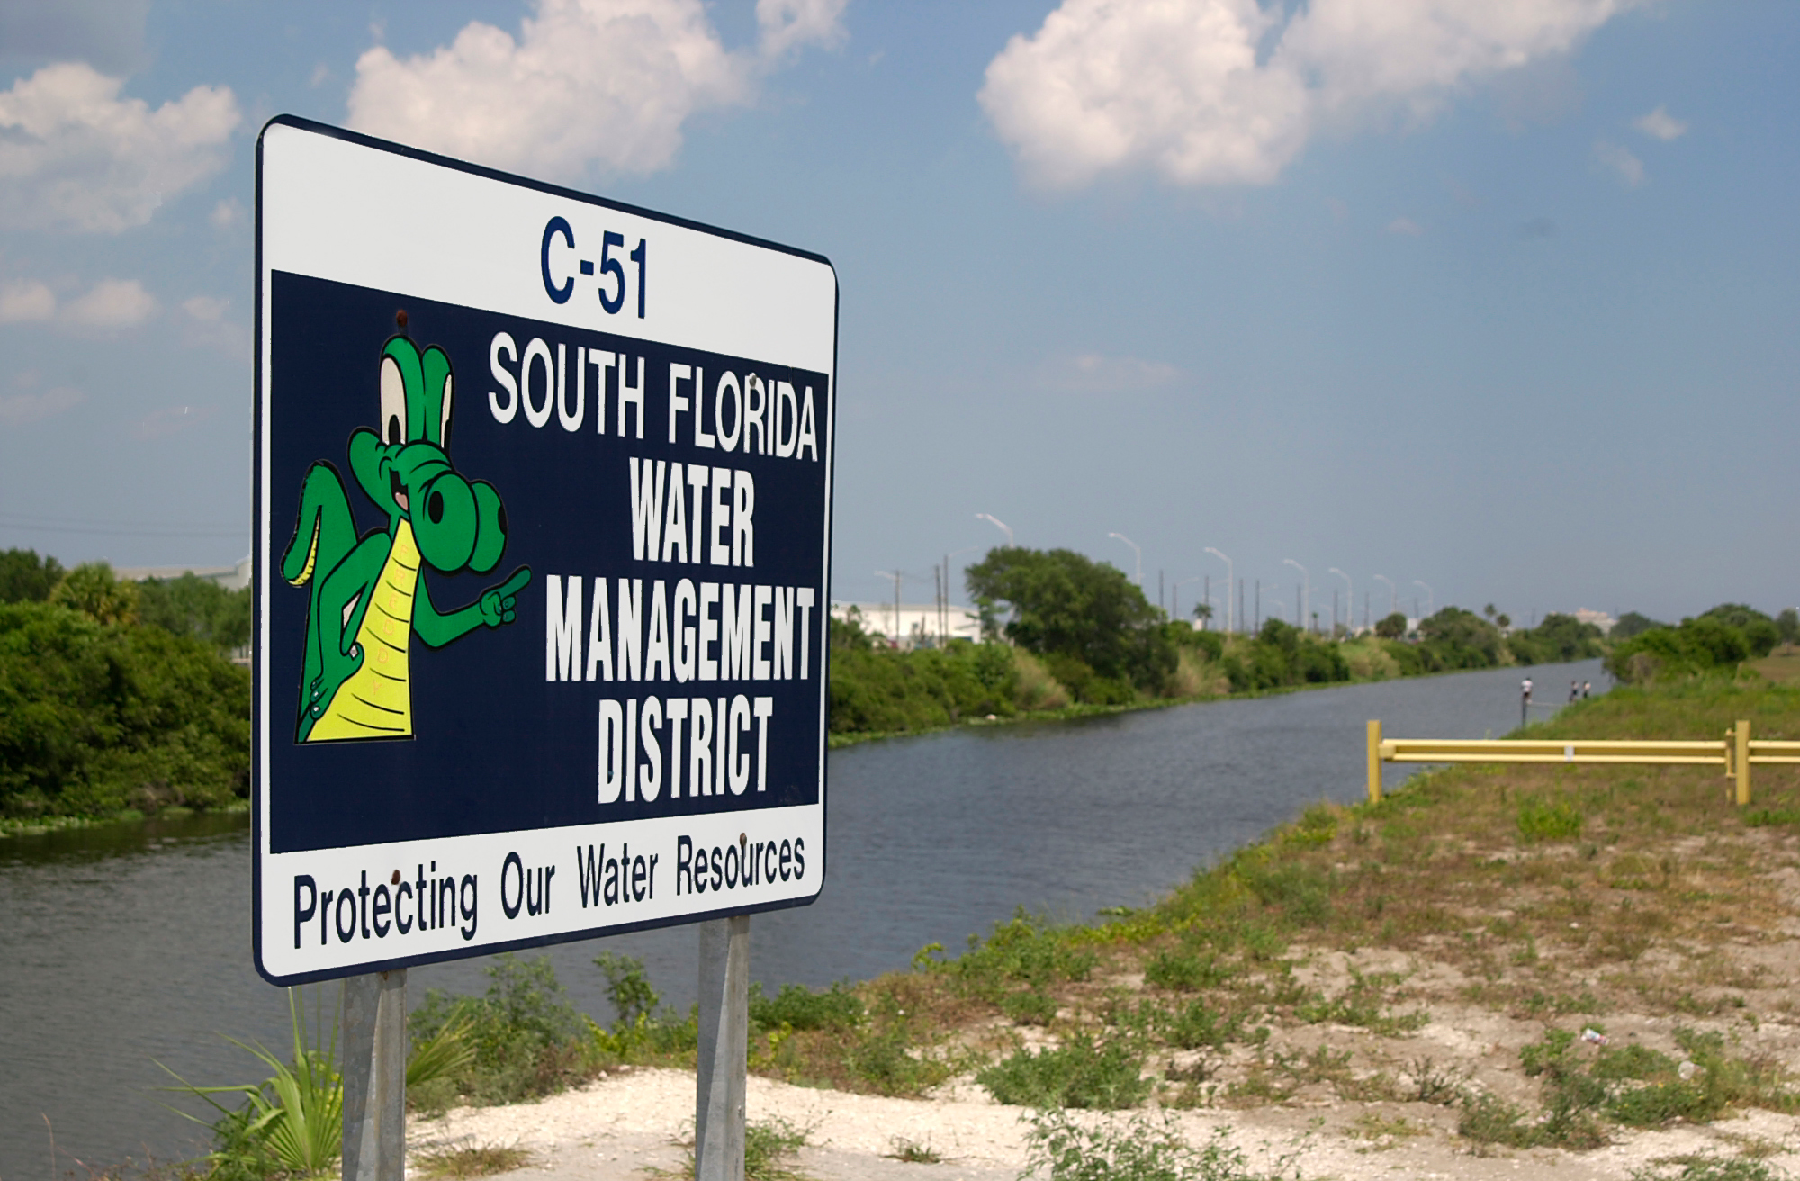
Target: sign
[[543, 525]]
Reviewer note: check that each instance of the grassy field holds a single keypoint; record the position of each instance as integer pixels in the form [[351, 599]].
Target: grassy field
[[1518, 957]]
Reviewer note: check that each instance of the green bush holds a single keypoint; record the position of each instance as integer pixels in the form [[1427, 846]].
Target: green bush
[[882, 691], [525, 1038], [1079, 1073], [98, 717], [799, 1008], [1022, 949]]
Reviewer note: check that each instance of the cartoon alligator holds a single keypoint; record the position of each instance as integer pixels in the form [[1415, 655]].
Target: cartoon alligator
[[369, 593]]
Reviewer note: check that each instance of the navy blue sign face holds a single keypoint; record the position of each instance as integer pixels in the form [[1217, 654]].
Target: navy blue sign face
[[501, 721], [542, 567]]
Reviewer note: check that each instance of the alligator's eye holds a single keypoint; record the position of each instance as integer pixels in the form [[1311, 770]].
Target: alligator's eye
[[435, 506], [444, 425], [393, 403]]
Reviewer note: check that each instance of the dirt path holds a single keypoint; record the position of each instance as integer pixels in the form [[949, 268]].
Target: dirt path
[[631, 1124]]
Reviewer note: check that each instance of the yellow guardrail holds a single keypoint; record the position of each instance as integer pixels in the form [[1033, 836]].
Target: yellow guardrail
[[1736, 753]]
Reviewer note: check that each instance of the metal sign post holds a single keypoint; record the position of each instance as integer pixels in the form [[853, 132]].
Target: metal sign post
[[542, 544], [374, 1062], [724, 1045]]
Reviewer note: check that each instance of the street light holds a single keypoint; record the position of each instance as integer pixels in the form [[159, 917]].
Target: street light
[[1390, 584], [1135, 550], [1349, 599], [1004, 527], [1430, 598], [896, 575], [1229, 585], [1306, 597]]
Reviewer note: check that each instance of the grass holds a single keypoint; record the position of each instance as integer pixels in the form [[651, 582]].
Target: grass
[[479, 1160], [1560, 896]]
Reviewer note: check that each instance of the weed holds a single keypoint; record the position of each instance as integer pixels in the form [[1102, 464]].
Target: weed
[[881, 1062], [1708, 1168], [1142, 1148], [913, 1153], [1079, 1073], [1433, 1083], [1185, 970], [1029, 1008], [1375, 1127], [480, 1160], [767, 1147], [1548, 820]]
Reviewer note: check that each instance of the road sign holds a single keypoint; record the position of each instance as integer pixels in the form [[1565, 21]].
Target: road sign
[[543, 522]]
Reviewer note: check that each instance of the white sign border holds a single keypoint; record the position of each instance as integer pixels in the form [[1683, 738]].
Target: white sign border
[[261, 581]]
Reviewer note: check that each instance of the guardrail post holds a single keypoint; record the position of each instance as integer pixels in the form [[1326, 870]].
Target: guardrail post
[[1742, 736], [1375, 760]]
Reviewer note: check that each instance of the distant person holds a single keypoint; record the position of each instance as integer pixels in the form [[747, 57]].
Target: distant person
[[1574, 690], [1525, 688], [1587, 687]]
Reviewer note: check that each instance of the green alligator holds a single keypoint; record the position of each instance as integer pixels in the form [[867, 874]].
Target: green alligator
[[369, 593]]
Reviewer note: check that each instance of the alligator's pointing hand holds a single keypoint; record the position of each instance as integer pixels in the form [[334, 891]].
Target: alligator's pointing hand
[[499, 604]]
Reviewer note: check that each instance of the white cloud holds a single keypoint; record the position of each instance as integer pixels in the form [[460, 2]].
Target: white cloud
[[204, 308], [112, 304], [74, 155], [1094, 373], [1405, 227], [1221, 92], [787, 24], [225, 214], [1659, 124], [1628, 168], [34, 407], [608, 82], [26, 300]]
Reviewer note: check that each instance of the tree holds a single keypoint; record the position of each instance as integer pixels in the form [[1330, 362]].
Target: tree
[[1787, 625], [1203, 612], [91, 589], [1503, 620], [1064, 604], [1633, 624], [1393, 627], [26, 578], [1461, 639], [197, 607], [1558, 638], [1759, 630]]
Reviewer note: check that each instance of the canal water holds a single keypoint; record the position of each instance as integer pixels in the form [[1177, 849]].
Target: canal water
[[123, 947]]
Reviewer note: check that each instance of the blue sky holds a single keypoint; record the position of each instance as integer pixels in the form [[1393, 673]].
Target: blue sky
[[1504, 306]]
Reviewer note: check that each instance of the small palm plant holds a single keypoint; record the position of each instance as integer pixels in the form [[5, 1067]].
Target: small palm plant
[[293, 1121]]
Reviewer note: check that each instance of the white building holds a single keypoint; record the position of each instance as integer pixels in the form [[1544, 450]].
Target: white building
[[918, 625], [1599, 619], [230, 577]]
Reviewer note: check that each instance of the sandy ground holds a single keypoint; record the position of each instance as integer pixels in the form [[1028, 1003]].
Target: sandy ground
[[631, 1124]]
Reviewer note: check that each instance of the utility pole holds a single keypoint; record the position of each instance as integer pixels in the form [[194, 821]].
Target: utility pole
[[1208, 589], [1334, 613], [1241, 605], [1258, 624], [1160, 604], [1365, 610]]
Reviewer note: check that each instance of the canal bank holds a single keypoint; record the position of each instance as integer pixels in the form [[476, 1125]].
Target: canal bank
[[113, 956]]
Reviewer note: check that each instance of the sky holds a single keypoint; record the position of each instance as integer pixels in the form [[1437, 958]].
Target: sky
[[1497, 302]]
